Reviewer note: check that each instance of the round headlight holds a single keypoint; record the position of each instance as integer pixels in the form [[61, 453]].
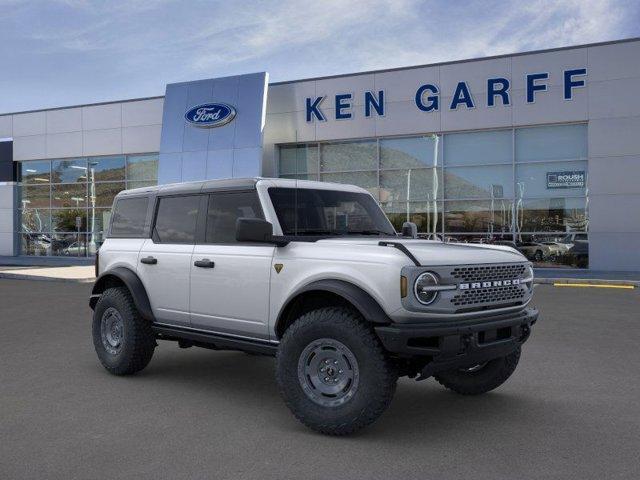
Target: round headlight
[[423, 288]]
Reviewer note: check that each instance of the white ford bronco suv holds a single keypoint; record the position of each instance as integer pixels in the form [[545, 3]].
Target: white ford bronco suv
[[314, 274]]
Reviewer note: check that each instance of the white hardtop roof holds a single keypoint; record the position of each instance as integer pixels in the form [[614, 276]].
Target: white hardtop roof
[[238, 184]]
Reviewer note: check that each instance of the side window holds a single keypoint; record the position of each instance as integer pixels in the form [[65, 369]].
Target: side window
[[176, 219], [223, 211], [129, 217]]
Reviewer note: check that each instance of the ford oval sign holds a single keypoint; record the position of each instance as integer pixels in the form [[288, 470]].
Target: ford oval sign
[[210, 115]]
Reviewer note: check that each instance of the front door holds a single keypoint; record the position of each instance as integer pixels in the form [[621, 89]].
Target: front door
[[164, 262], [230, 280]]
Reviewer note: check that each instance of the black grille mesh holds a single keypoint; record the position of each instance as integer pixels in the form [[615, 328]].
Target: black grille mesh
[[513, 293], [491, 272]]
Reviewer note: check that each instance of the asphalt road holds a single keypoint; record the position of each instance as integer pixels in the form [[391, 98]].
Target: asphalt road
[[571, 410]]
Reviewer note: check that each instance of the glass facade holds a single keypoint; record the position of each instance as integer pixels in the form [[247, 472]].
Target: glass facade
[[524, 187], [65, 204]]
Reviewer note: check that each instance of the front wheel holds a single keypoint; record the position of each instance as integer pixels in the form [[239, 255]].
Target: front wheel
[[481, 378], [333, 373], [123, 340]]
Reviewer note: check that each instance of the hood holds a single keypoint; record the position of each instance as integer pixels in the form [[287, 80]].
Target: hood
[[432, 252]]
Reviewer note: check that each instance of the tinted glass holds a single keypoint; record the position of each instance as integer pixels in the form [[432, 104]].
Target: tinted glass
[[69, 171], [67, 220], [341, 157], [416, 185], [414, 152], [69, 195], [478, 216], [35, 172], [176, 219], [142, 167], [328, 212], [478, 182], [551, 179], [298, 159], [106, 169], [478, 148], [426, 215], [223, 211], [559, 142], [129, 217]]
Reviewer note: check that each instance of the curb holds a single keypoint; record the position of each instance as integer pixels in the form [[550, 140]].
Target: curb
[[21, 276], [587, 281]]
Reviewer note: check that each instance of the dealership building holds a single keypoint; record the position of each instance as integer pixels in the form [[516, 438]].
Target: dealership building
[[540, 150]]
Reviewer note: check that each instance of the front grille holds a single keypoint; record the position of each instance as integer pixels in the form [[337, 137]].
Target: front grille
[[510, 293], [492, 272]]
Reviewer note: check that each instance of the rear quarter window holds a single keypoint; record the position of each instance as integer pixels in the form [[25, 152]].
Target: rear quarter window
[[129, 217]]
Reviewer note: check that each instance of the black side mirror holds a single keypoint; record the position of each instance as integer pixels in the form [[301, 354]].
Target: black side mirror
[[410, 230], [256, 230]]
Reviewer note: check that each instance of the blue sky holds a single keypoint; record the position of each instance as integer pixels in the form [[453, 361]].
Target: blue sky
[[68, 52]]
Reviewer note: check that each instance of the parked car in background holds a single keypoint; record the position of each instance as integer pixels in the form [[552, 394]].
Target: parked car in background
[[557, 248], [534, 250]]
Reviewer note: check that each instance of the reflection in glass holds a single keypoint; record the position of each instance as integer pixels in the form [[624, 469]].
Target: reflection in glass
[[54, 193], [426, 215], [38, 244], [558, 142], [69, 171], [413, 152], [69, 195], [531, 179], [98, 219], [490, 216], [142, 167], [366, 180], [69, 245], [415, 184], [298, 159], [65, 220], [35, 171], [555, 249], [341, 157], [35, 220], [478, 148], [35, 196], [301, 176], [479, 182], [552, 215], [105, 193], [106, 169]]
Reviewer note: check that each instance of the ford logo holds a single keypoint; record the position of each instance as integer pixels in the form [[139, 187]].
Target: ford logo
[[210, 115]]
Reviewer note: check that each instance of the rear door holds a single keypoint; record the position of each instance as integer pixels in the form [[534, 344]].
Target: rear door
[[164, 262], [230, 280]]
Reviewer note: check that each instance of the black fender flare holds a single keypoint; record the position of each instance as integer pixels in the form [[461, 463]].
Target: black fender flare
[[362, 301], [132, 282]]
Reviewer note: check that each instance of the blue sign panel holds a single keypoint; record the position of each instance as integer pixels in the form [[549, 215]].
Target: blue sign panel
[[569, 179], [210, 115]]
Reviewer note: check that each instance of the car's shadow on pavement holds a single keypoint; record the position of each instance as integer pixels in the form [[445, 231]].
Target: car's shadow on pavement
[[418, 408]]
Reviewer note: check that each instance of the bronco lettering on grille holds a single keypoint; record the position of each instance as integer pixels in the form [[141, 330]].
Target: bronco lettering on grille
[[488, 284]]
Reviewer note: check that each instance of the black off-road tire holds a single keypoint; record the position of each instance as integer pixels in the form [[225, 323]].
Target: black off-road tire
[[137, 340], [377, 377], [475, 382]]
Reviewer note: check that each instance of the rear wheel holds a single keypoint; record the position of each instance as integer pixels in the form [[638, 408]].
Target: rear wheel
[[480, 378], [333, 373], [122, 339]]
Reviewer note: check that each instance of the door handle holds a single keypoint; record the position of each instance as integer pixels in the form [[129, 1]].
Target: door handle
[[149, 260], [204, 263]]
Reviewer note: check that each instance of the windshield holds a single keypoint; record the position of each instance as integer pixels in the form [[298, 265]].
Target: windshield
[[306, 211]]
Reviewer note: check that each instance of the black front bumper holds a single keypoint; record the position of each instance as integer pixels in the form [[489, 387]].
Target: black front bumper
[[448, 345]]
